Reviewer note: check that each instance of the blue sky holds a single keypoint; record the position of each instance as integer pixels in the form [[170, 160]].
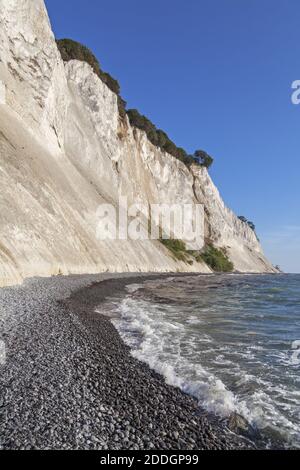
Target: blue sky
[[215, 75]]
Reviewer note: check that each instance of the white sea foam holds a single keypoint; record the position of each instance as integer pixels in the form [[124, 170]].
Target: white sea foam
[[212, 356], [211, 391]]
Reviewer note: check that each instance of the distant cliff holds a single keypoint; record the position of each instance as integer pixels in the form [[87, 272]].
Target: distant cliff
[[64, 149]]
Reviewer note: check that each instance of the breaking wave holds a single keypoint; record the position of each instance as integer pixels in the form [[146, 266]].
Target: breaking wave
[[226, 340]]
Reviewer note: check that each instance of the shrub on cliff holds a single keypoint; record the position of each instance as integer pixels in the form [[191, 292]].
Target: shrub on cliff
[[158, 137], [203, 158], [177, 248], [248, 222], [141, 122], [217, 259], [73, 50]]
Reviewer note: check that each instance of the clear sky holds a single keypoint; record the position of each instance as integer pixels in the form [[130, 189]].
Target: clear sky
[[215, 75]]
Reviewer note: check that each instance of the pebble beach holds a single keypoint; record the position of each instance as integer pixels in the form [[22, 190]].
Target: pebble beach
[[69, 382]]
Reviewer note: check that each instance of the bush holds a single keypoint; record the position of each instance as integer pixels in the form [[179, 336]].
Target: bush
[[248, 222], [160, 139], [203, 158], [251, 225], [177, 248], [217, 259], [72, 50], [122, 107]]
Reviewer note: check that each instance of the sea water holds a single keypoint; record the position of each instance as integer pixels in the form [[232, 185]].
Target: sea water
[[232, 341]]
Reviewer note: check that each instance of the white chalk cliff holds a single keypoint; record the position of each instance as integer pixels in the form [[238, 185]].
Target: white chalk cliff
[[64, 150]]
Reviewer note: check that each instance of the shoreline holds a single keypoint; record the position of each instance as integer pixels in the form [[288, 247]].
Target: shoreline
[[73, 383], [207, 430]]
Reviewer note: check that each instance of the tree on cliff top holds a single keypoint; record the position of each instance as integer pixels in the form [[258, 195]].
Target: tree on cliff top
[[203, 158], [160, 139], [73, 50], [248, 222]]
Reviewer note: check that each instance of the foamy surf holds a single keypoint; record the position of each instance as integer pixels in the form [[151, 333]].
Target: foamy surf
[[217, 339], [148, 339]]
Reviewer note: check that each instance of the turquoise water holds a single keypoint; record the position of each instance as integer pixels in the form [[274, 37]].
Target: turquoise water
[[230, 340]]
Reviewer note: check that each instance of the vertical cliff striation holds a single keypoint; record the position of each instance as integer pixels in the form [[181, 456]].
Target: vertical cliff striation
[[64, 150]]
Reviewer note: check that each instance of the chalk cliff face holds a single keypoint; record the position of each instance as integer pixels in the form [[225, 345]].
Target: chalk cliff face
[[64, 151]]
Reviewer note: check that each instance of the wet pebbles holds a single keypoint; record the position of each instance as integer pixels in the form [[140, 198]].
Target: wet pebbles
[[69, 381]]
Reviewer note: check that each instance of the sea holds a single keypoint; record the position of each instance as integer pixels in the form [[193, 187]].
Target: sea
[[230, 340]]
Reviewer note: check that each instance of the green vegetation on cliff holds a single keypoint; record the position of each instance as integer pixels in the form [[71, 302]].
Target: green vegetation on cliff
[[158, 137], [161, 140], [177, 248], [248, 222], [73, 50], [215, 258], [203, 158]]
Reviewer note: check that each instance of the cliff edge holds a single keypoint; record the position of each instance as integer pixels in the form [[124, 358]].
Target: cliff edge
[[64, 150]]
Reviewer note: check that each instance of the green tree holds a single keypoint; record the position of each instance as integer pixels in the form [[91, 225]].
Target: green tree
[[248, 222], [203, 158], [73, 50]]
